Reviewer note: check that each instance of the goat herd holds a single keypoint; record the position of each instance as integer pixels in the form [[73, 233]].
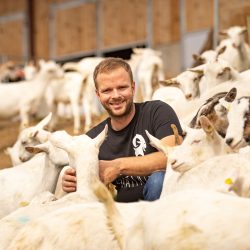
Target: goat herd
[[205, 198]]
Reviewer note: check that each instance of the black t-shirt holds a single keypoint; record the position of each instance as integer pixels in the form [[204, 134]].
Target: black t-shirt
[[154, 116]]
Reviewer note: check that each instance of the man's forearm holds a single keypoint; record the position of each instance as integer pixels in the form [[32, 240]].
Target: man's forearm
[[142, 165]]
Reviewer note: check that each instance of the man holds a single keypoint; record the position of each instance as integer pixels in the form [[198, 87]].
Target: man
[[126, 157]]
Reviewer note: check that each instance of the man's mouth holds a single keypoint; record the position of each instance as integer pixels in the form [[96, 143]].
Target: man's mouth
[[116, 104]]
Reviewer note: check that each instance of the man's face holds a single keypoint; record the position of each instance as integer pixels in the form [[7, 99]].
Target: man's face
[[115, 92]]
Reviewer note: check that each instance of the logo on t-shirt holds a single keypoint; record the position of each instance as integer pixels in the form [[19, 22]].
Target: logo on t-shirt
[[139, 145]]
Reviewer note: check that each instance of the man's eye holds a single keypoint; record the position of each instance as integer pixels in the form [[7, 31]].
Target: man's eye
[[106, 91]]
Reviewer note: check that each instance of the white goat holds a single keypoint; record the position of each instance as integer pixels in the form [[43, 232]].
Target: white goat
[[181, 223], [21, 183], [216, 72], [215, 111], [147, 68], [86, 67], [173, 96], [237, 51], [238, 131], [213, 173], [41, 233], [24, 97], [206, 56], [83, 151], [194, 219], [188, 82], [199, 145], [67, 90], [29, 136]]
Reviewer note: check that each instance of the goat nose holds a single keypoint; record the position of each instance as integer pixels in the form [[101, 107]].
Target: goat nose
[[229, 141]]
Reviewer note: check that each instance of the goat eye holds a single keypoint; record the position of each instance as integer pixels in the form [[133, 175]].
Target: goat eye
[[23, 142], [195, 142]]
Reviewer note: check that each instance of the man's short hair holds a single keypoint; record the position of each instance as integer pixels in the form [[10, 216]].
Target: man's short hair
[[109, 64]]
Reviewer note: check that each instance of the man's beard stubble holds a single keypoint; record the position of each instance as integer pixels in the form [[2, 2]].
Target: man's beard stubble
[[128, 109]]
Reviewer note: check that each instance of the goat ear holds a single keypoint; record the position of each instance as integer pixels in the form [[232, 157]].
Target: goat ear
[[169, 82], [38, 148], [156, 143], [231, 95], [99, 139], [223, 32], [221, 50], [244, 29], [196, 57], [137, 50], [45, 121], [200, 72], [206, 125]]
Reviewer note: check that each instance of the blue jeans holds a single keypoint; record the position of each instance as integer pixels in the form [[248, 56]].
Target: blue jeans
[[153, 186]]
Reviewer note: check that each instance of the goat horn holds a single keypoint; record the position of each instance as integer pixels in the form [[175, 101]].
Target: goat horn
[[176, 134], [168, 82]]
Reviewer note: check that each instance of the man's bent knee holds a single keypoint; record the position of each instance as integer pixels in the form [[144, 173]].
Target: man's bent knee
[[153, 187]]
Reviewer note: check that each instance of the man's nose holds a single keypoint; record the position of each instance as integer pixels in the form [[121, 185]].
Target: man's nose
[[115, 93]]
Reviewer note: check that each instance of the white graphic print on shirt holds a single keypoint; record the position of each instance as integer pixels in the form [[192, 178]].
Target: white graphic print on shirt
[[139, 145]]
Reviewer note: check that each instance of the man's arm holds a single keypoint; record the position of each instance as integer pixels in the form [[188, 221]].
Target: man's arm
[[110, 170], [142, 165]]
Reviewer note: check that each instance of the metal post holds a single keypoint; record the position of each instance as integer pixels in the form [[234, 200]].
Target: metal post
[[182, 31], [99, 35], [150, 23], [30, 30], [216, 24]]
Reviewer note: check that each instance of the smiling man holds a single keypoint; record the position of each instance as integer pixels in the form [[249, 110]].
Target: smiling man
[[126, 158]]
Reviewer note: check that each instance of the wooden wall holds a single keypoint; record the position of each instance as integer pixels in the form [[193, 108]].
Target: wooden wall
[[11, 6], [199, 15], [12, 29], [130, 28], [166, 21], [68, 31]]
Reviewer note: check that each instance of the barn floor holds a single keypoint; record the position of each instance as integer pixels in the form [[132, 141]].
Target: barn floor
[[9, 131]]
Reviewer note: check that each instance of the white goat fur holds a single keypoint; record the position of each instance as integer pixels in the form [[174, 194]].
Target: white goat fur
[[237, 51], [23, 182], [67, 90], [29, 136], [197, 219], [25, 97], [185, 223], [86, 67], [146, 64]]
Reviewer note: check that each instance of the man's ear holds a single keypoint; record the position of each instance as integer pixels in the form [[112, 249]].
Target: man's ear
[[133, 87], [97, 93]]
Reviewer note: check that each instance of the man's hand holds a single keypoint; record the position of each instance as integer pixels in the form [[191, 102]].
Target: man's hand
[[69, 180], [108, 171]]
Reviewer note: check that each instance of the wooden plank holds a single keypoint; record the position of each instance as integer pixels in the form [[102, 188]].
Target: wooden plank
[[123, 22], [166, 21], [11, 40], [41, 25], [233, 12], [9, 6], [199, 15], [248, 27], [76, 29]]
